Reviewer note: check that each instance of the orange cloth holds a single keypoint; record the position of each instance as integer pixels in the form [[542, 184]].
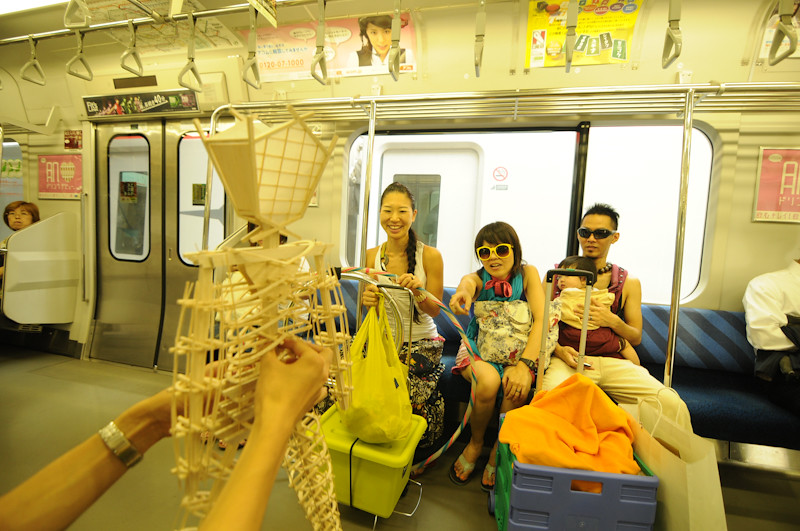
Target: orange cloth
[[574, 425]]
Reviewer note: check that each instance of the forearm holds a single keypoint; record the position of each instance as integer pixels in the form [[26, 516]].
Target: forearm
[[56, 495], [630, 333], [244, 499]]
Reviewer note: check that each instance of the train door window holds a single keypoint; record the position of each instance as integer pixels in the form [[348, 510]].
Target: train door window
[[192, 171], [637, 169], [129, 197], [12, 185], [522, 177]]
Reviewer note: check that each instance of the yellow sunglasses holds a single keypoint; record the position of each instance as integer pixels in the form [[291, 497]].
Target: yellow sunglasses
[[502, 250]]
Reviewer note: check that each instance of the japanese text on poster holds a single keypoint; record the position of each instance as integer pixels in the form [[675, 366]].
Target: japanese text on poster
[[603, 35], [353, 47], [60, 176], [778, 186]]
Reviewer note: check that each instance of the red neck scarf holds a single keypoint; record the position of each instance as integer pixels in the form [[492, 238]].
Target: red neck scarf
[[502, 288]]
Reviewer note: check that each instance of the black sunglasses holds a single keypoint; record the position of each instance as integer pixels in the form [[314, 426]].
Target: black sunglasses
[[599, 234]]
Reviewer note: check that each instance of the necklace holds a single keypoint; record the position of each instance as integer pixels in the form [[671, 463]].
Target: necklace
[[605, 269]]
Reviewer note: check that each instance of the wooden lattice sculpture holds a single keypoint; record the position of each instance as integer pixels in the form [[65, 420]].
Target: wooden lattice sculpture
[[267, 295]]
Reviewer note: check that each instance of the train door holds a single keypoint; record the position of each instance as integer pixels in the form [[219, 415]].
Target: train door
[[151, 185]]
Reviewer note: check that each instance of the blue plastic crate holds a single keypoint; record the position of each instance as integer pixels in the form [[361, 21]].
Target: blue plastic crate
[[543, 497]]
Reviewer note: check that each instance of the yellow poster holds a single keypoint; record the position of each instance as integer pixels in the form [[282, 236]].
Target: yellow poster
[[603, 35]]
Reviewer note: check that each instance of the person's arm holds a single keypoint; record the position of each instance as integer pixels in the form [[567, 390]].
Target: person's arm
[[764, 317], [284, 393], [59, 493], [519, 376], [369, 297], [434, 272], [466, 292], [630, 328]]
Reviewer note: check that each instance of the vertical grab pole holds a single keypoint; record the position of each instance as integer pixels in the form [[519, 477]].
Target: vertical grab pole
[[210, 179], [674, 307], [373, 111]]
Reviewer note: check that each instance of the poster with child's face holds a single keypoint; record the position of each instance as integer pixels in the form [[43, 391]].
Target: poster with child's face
[[353, 47]]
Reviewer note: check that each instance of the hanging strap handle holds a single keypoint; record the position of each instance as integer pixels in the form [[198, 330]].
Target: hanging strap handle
[[784, 30], [480, 33], [319, 56], [79, 58], [131, 51], [190, 65], [393, 60], [251, 65], [673, 41], [77, 14], [34, 64]]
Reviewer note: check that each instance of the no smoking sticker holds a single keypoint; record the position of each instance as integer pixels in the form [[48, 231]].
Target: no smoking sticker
[[500, 174]]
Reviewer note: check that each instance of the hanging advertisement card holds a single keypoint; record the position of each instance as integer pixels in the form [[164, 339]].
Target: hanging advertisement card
[[353, 47], [777, 196], [603, 35], [60, 176]]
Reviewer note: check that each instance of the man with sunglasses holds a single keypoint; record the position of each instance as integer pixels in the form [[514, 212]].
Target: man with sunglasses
[[623, 380]]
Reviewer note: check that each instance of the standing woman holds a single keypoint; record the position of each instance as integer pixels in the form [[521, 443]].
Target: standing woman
[[416, 266]]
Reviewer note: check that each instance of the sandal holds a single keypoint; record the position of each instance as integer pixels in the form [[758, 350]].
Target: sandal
[[485, 487], [466, 466]]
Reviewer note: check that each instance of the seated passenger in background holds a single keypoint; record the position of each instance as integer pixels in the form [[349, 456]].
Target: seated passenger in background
[[772, 312], [505, 335], [620, 378], [18, 215], [600, 341]]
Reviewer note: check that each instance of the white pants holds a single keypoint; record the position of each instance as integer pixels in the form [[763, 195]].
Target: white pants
[[624, 382]]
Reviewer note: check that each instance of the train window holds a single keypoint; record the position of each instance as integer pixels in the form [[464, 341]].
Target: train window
[[637, 169], [192, 170], [12, 185], [523, 178], [129, 197]]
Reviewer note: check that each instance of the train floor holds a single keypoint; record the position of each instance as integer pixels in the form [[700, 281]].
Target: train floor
[[50, 403]]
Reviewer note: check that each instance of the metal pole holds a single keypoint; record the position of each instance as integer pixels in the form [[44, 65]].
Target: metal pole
[[672, 338], [373, 109], [209, 178]]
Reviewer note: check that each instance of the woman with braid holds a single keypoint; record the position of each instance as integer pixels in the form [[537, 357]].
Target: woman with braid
[[416, 266]]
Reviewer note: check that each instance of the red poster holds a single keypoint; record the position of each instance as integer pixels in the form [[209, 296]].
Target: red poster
[[778, 186], [60, 176]]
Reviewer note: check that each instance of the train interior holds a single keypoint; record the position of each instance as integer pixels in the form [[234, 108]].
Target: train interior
[[98, 103]]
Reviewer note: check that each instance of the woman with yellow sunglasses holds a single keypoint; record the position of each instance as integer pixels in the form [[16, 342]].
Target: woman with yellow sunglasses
[[504, 334]]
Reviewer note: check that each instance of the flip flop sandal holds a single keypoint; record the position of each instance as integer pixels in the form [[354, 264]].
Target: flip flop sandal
[[491, 470], [466, 466]]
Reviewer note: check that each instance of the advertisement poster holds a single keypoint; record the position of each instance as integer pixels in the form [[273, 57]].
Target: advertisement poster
[[778, 186], [603, 35], [60, 176], [165, 101], [353, 47]]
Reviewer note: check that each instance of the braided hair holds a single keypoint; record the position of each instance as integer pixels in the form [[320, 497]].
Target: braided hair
[[411, 248]]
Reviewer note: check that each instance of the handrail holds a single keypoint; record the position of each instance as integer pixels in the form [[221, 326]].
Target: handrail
[[77, 8], [673, 41], [569, 41], [131, 51], [675, 302], [393, 59], [361, 277], [480, 34], [33, 63], [319, 55], [251, 65], [80, 58], [190, 64], [784, 30]]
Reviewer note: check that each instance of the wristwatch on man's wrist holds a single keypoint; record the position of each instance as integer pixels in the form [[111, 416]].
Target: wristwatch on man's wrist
[[119, 444]]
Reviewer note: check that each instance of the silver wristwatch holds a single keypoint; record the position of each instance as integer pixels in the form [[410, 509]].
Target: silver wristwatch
[[119, 444]]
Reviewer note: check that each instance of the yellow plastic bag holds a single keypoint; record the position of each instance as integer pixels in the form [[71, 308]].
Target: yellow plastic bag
[[380, 409]]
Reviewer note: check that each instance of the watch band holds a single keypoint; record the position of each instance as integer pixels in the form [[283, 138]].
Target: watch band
[[119, 444], [531, 365]]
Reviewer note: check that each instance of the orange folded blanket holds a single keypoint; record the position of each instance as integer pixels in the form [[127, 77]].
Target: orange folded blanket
[[574, 425]]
